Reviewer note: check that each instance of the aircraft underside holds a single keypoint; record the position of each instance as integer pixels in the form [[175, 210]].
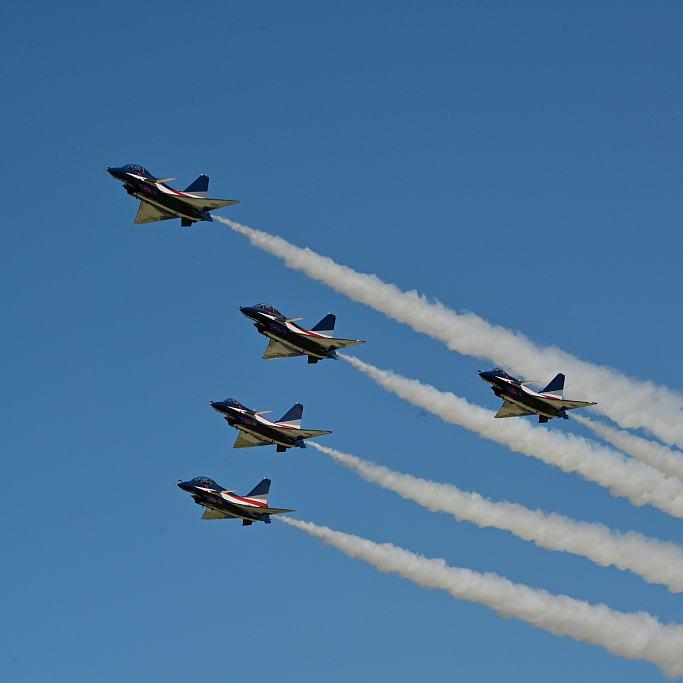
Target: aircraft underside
[[533, 407], [296, 345], [169, 207], [281, 444], [226, 512]]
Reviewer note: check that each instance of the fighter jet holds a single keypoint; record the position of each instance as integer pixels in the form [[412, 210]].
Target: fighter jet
[[222, 504], [257, 431], [159, 202], [519, 400], [287, 339]]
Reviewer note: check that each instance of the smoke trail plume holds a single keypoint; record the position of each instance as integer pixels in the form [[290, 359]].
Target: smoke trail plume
[[654, 560], [664, 459], [628, 402], [634, 635], [623, 477]]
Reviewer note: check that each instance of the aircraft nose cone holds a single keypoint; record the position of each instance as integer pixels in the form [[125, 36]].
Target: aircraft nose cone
[[117, 173], [185, 486], [248, 312]]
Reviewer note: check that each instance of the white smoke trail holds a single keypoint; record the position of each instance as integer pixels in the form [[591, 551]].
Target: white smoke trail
[[634, 635], [628, 402], [654, 560], [640, 483], [664, 459]]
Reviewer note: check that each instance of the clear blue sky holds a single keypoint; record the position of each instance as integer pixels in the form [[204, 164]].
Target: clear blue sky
[[519, 160]]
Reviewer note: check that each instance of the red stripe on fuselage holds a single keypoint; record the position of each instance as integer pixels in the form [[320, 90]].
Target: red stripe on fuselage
[[170, 189], [250, 501], [312, 334]]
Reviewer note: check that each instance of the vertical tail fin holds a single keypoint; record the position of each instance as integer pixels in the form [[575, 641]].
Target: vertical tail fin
[[260, 491], [326, 325], [556, 386], [293, 416], [199, 187]]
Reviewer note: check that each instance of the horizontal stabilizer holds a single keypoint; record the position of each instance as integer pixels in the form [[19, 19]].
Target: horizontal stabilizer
[[331, 344], [277, 349], [277, 511], [509, 409], [251, 511], [310, 433], [202, 204], [152, 181], [570, 405]]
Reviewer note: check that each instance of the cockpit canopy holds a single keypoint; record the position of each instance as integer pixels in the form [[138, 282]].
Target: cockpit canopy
[[269, 309], [502, 372], [207, 482], [236, 403], [137, 169]]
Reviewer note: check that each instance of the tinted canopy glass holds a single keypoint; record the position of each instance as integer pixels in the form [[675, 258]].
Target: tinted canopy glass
[[235, 403], [206, 481], [136, 168], [269, 309]]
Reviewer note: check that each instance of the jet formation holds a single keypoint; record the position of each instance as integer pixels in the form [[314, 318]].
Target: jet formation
[[519, 400], [223, 504], [159, 202]]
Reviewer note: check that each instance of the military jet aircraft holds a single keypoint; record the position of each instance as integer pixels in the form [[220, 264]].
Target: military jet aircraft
[[287, 339], [222, 504], [159, 202], [519, 400], [257, 431]]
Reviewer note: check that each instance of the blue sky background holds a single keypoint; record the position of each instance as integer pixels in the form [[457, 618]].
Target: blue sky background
[[519, 160]]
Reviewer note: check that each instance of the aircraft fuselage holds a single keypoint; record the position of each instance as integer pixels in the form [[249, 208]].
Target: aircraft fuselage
[[247, 421], [288, 333], [223, 504], [165, 199], [521, 395]]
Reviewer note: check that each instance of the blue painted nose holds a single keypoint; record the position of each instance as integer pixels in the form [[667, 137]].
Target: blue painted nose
[[118, 173], [249, 311]]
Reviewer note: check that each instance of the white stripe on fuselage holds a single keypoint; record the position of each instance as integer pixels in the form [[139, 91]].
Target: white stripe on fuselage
[[531, 392], [263, 420], [295, 328], [234, 499], [165, 189]]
